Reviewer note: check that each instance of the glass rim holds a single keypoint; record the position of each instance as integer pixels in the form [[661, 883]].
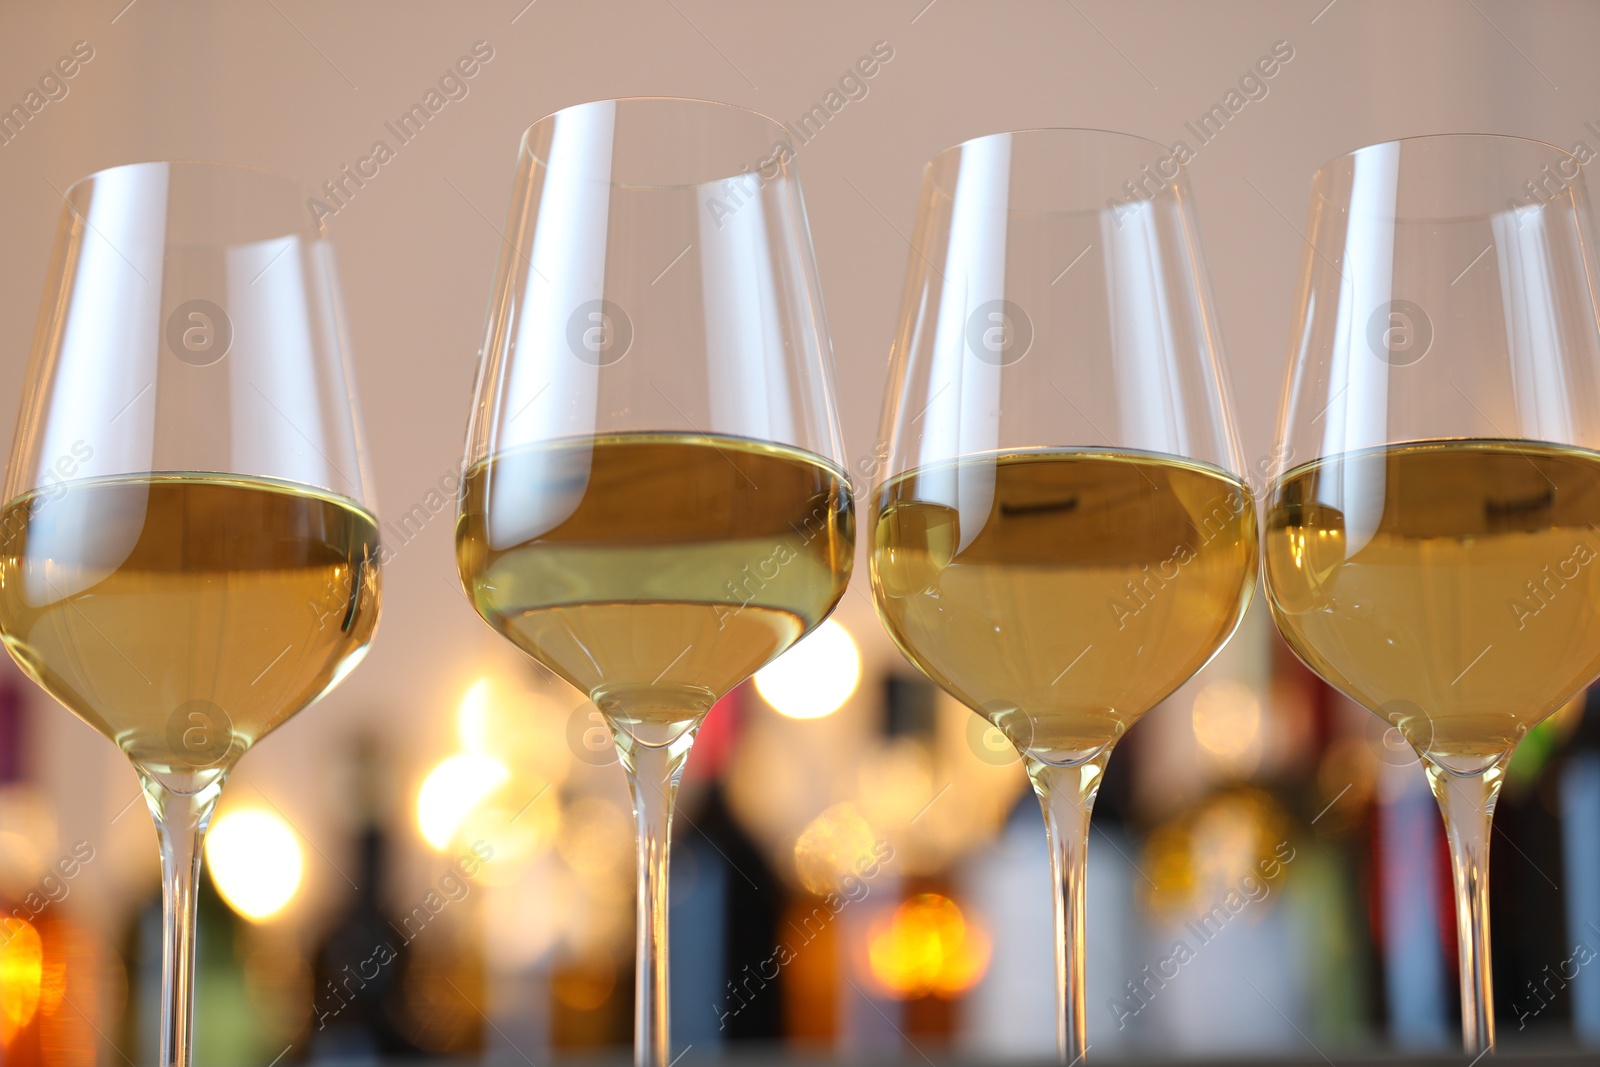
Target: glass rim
[[1088, 134], [1097, 131], [222, 165], [1437, 138], [704, 104]]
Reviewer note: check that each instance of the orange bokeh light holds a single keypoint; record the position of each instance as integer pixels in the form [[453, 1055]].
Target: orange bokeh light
[[927, 947], [21, 975]]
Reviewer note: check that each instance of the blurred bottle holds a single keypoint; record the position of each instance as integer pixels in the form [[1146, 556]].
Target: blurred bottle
[[1328, 778], [726, 902], [230, 1025], [1579, 784], [359, 967]]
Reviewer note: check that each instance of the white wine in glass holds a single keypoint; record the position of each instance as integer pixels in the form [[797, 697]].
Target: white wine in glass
[[1430, 530], [187, 552], [1062, 535], [1478, 540], [673, 578], [655, 502], [135, 596], [1096, 578]]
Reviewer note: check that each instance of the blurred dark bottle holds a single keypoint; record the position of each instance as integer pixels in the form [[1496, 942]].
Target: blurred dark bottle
[[359, 969], [726, 901], [232, 1024], [1579, 787], [1325, 771]]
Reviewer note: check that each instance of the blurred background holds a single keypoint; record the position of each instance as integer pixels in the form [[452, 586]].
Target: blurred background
[[436, 860]]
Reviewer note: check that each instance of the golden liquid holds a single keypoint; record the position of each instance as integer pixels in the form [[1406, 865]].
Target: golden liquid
[[655, 572], [186, 615], [1450, 586], [1069, 591]]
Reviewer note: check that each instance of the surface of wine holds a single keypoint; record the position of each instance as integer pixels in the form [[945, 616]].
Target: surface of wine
[[1063, 593], [655, 571], [186, 615], [1450, 586]]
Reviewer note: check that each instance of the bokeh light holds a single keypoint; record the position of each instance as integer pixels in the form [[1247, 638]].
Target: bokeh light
[[27, 837], [927, 947], [837, 843], [21, 973], [1197, 859], [1227, 724], [896, 782], [815, 677], [452, 791], [255, 862]]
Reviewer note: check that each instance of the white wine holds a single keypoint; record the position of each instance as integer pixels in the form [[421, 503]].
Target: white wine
[[185, 615], [655, 571], [1450, 586], [1063, 593]]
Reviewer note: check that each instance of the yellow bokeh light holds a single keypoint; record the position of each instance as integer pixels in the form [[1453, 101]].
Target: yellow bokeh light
[[927, 947], [1196, 860], [522, 727], [815, 677], [21, 974], [255, 862], [896, 784], [837, 843], [473, 715], [1227, 723], [518, 836], [452, 791]]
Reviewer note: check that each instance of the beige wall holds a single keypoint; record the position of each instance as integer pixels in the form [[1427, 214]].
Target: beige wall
[[303, 88]]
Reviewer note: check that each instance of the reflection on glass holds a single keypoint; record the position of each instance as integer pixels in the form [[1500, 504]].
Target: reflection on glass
[[187, 554], [1430, 530], [655, 504], [1062, 535]]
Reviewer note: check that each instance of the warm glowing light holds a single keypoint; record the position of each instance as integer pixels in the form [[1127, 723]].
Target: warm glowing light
[[523, 728], [473, 715], [896, 784], [452, 791], [517, 834], [1228, 850], [927, 947], [815, 677], [255, 862], [1227, 723], [837, 844], [21, 971], [585, 983], [27, 837]]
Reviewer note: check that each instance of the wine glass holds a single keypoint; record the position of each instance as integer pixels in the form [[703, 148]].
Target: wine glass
[[655, 502], [1062, 533], [1429, 534], [187, 554]]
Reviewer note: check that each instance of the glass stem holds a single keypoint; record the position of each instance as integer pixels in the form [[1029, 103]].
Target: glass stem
[[1066, 793], [654, 770], [1467, 802], [181, 821]]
